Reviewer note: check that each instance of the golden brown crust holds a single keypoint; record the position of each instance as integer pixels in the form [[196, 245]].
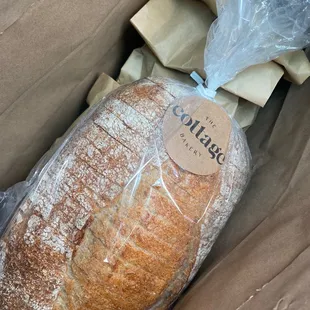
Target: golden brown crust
[[84, 240]]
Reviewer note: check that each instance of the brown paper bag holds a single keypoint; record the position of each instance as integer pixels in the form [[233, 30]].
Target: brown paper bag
[[256, 83], [176, 32], [296, 64], [142, 63], [212, 5]]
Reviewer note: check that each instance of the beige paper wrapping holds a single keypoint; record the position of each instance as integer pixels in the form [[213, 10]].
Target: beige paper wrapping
[[176, 32], [142, 63], [104, 85], [296, 64], [212, 5], [256, 83]]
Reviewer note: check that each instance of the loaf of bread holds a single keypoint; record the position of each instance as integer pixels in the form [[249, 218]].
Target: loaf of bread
[[111, 222]]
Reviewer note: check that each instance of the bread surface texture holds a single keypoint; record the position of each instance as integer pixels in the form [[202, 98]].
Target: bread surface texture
[[112, 222]]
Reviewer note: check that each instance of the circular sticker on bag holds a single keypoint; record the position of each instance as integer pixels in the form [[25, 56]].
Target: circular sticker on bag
[[196, 134]]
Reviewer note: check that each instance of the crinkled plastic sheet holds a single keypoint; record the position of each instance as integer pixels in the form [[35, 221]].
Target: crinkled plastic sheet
[[250, 32]]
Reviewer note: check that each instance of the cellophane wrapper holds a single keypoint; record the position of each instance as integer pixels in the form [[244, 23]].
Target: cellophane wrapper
[[250, 32], [107, 190]]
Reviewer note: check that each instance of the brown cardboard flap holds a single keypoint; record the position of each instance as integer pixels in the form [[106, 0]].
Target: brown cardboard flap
[[261, 260], [49, 59], [11, 11]]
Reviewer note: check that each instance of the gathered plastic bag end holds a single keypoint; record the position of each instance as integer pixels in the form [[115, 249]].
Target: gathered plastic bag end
[[203, 91]]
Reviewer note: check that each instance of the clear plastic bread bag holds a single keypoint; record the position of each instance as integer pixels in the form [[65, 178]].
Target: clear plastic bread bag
[[145, 180]]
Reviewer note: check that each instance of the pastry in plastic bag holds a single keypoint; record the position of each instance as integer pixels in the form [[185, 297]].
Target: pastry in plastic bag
[[109, 220]]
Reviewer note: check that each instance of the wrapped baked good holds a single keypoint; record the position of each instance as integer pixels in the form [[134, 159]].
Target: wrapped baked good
[[110, 221]]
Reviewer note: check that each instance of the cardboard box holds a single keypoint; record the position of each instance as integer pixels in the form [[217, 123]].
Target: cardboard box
[[50, 56]]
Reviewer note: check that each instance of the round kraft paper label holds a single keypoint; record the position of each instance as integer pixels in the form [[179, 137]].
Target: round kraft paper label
[[196, 134]]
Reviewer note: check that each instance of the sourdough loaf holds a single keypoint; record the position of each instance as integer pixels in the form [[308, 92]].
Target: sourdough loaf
[[111, 221]]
